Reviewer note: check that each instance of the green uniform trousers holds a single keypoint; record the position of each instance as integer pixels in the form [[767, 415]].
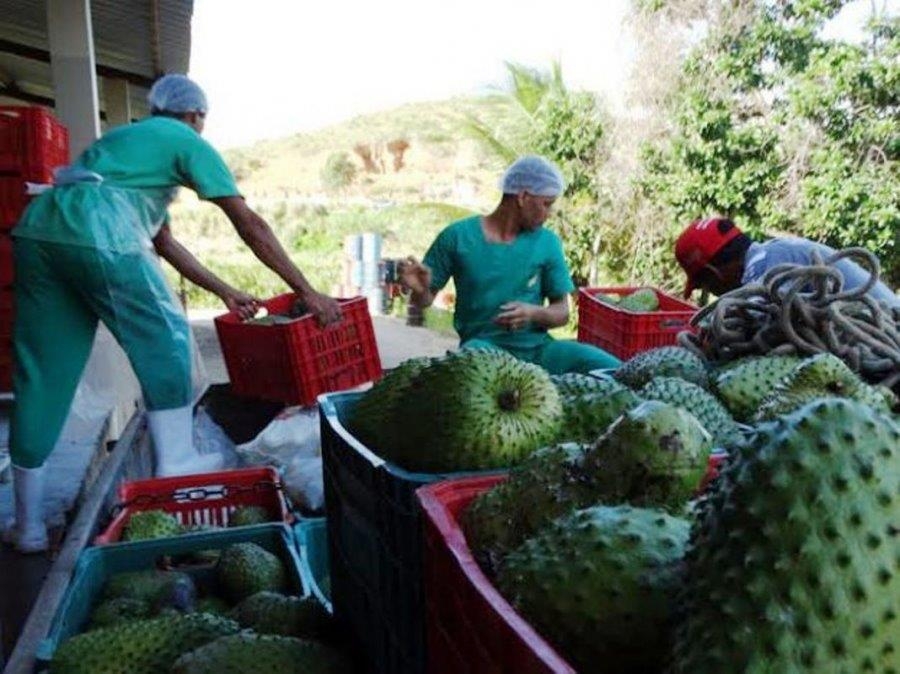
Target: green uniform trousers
[[556, 356], [61, 292]]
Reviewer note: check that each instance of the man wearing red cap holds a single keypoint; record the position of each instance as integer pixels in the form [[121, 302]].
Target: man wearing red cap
[[719, 257]]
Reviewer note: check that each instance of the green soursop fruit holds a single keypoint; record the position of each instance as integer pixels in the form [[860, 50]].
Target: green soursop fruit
[[654, 455], [212, 604], [643, 299], [699, 402], [151, 524], [587, 416], [248, 653], [742, 384], [476, 409], [377, 419], [548, 484], [273, 613], [576, 384], [159, 589], [119, 610], [246, 568], [139, 647], [792, 564], [820, 376], [600, 584], [247, 515], [666, 361]]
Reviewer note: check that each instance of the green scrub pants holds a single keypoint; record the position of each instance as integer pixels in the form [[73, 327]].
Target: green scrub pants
[[61, 292], [556, 356]]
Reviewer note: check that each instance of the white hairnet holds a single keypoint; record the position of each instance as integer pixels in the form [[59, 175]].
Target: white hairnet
[[534, 175], [177, 93]]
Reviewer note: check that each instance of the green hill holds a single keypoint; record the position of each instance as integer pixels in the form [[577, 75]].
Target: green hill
[[445, 175]]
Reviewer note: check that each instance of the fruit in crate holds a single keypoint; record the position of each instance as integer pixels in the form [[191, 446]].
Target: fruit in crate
[[742, 384], [274, 613], [119, 610], [247, 515], [159, 589], [586, 416], [574, 384], [139, 647], [666, 361], [147, 524], [792, 564], [244, 569], [248, 653], [817, 377], [641, 300], [699, 402], [600, 584], [475, 409]]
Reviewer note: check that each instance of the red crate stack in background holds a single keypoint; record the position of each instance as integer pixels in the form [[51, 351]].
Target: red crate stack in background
[[32, 144]]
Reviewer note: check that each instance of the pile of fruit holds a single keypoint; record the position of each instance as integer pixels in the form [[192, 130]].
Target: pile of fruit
[[233, 617], [149, 524]]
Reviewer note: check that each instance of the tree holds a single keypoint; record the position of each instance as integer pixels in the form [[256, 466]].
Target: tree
[[339, 172]]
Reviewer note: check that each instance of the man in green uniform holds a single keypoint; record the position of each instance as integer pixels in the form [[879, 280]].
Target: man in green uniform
[[512, 281], [87, 251]]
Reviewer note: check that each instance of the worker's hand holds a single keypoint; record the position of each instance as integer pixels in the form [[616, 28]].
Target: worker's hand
[[244, 304], [515, 315], [326, 309], [415, 276]]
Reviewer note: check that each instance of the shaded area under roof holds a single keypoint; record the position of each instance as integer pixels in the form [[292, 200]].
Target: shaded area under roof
[[134, 40]]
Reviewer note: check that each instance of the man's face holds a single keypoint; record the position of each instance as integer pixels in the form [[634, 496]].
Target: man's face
[[715, 281], [535, 210]]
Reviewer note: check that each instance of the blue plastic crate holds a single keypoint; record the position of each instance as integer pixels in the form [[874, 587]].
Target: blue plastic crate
[[312, 543], [374, 543], [95, 565]]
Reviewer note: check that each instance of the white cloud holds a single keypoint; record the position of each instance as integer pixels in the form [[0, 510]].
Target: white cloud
[[274, 67]]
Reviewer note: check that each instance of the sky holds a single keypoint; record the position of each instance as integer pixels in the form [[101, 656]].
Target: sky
[[272, 68]]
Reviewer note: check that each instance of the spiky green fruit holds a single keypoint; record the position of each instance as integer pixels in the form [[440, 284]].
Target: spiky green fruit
[[548, 484], [600, 585], [699, 402], [641, 300], [273, 613], [159, 589], [149, 524], [666, 361], [576, 384], [792, 565], [212, 604], [244, 569], [248, 653], [138, 647], [820, 376], [587, 416], [742, 385], [476, 409], [247, 515], [377, 419], [119, 610], [654, 455]]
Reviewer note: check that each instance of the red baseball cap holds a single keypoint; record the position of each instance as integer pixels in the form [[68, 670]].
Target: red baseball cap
[[698, 245]]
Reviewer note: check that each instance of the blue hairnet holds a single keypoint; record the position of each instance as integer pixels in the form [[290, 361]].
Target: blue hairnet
[[177, 93], [534, 175]]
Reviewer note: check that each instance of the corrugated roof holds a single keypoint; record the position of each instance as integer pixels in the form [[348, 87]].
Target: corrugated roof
[[137, 40]]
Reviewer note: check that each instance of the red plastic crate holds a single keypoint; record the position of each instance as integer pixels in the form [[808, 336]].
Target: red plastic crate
[[626, 333], [295, 362], [471, 627], [13, 200], [209, 498], [6, 260], [32, 142]]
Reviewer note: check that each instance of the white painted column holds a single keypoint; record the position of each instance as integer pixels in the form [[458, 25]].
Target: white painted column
[[74, 70], [118, 102]]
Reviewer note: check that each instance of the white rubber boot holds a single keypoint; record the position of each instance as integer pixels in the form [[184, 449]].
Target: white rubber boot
[[173, 444], [26, 529]]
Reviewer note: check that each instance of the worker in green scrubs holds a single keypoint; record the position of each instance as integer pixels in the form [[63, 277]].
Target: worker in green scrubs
[[512, 281], [87, 251]]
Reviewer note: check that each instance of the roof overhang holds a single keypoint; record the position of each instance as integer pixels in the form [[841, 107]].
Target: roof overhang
[[134, 40]]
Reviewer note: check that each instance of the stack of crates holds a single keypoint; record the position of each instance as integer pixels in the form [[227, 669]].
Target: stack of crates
[[32, 144]]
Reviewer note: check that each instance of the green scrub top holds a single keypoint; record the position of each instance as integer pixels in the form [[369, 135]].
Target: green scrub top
[[487, 274], [142, 166]]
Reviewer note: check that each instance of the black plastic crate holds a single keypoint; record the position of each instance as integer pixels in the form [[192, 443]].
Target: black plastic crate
[[375, 543]]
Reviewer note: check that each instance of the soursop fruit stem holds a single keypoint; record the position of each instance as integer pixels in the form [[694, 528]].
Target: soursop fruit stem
[[509, 400]]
